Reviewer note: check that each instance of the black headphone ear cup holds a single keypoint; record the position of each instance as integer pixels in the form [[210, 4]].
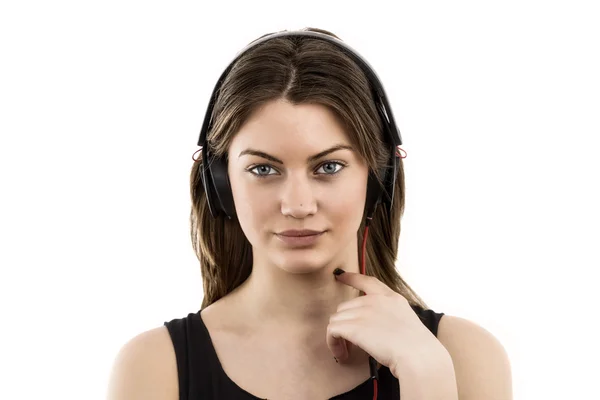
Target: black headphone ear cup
[[222, 187], [209, 190], [390, 181], [216, 185], [374, 193], [207, 182], [377, 193]]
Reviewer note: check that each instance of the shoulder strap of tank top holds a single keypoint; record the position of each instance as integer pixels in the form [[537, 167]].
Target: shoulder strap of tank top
[[178, 331], [195, 357], [430, 318]]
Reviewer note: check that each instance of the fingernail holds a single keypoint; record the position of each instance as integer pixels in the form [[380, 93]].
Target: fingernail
[[338, 271]]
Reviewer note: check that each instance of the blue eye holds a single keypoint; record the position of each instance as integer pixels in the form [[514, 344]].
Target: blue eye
[[261, 168], [330, 171]]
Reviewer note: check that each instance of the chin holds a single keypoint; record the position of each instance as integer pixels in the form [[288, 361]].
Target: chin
[[301, 263]]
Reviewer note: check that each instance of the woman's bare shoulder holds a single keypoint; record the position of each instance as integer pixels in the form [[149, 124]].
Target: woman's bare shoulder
[[145, 368]]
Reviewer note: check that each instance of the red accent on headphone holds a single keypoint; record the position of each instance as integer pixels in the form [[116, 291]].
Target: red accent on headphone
[[196, 159], [398, 154]]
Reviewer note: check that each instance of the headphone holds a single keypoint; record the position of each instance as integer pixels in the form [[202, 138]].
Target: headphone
[[214, 169]]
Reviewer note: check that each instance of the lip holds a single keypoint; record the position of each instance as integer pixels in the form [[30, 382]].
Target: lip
[[299, 238], [299, 232]]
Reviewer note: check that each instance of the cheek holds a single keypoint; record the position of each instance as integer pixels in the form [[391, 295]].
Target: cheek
[[252, 208], [346, 205]]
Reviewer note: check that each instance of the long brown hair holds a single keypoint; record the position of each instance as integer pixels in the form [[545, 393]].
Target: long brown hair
[[300, 70]]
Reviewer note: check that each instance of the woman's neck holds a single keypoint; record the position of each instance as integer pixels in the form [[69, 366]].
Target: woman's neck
[[297, 304]]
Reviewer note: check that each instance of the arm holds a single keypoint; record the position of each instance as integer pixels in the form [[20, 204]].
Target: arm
[[434, 381], [145, 368]]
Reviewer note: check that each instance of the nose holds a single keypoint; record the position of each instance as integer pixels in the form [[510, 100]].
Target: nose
[[298, 199]]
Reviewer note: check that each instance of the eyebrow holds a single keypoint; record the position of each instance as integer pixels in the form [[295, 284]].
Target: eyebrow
[[310, 159]]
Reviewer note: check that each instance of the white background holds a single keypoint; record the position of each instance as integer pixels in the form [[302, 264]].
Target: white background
[[100, 108]]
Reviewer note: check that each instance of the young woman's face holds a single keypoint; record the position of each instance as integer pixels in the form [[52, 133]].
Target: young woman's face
[[291, 168]]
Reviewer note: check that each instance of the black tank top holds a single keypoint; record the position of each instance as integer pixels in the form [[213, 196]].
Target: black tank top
[[201, 376]]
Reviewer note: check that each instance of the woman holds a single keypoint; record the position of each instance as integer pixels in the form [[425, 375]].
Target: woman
[[299, 160]]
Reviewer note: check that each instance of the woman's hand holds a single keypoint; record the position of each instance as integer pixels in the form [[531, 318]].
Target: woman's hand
[[383, 324]]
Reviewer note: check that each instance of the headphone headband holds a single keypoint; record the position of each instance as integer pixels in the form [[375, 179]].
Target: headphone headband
[[376, 84]]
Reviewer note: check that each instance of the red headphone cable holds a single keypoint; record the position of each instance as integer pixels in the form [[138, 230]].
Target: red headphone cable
[[372, 363]]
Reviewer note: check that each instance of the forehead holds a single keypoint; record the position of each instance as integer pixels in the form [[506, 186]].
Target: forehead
[[281, 125]]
